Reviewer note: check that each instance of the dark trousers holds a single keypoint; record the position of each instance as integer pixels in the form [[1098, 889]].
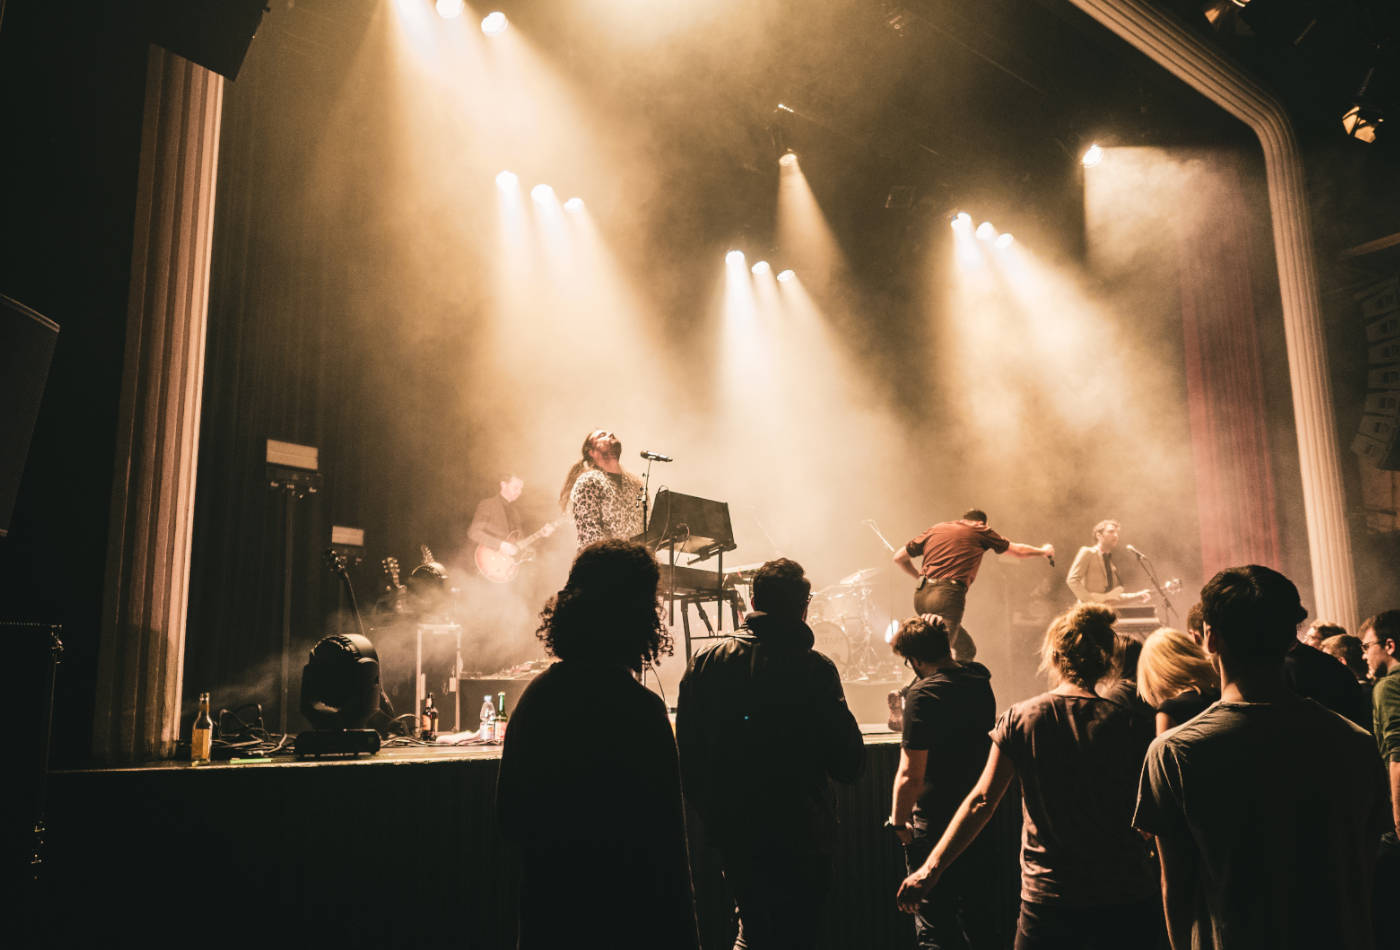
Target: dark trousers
[[948, 599], [959, 911], [779, 898], [1105, 927]]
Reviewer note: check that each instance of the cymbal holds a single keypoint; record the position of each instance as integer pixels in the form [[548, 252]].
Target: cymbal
[[863, 576]]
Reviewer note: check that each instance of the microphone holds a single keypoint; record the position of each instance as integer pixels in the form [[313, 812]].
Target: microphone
[[1134, 550], [656, 456], [1051, 559]]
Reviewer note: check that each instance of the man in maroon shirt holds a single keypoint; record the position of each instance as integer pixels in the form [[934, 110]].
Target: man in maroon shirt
[[952, 552]]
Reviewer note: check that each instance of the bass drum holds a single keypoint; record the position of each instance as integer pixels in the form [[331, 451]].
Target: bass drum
[[831, 643]]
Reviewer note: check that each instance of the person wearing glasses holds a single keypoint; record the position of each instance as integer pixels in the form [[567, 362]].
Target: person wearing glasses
[[606, 499], [1380, 645]]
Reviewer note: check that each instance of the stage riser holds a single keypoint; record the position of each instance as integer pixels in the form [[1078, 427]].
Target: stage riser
[[386, 854]]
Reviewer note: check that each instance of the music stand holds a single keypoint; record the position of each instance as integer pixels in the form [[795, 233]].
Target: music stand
[[690, 525]]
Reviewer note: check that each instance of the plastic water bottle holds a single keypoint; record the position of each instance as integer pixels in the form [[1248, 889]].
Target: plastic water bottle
[[487, 733]]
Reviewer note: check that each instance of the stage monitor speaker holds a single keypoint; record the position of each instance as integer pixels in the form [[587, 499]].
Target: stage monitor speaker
[[213, 33], [27, 340]]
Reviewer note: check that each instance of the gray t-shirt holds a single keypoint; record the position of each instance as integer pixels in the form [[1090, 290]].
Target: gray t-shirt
[[1078, 758], [1277, 805]]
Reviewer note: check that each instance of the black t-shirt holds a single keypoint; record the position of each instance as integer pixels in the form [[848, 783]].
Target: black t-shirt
[[1078, 759], [948, 715]]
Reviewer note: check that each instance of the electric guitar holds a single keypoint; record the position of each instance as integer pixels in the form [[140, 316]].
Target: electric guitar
[[499, 567]]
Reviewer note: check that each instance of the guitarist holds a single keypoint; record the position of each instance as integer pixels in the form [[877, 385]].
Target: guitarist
[[497, 520], [1094, 577]]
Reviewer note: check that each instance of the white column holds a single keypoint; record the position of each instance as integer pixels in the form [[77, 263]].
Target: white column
[[142, 651], [1163, 39]]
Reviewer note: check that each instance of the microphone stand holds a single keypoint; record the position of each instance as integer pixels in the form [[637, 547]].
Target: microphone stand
[[1167, 610]]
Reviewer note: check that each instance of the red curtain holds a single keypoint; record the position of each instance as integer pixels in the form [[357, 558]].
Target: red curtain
[[1235, 487]]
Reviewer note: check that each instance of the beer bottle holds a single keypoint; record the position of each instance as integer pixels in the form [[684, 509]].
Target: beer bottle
[[202, 739]]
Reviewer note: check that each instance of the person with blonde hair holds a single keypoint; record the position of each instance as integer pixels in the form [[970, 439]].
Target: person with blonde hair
[[1175, 677], [1087, 879]]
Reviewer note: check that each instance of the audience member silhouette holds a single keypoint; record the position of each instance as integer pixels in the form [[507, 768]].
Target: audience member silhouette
[[589, 788]]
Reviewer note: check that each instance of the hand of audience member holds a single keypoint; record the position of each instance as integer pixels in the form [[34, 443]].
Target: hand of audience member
[[914, 888]]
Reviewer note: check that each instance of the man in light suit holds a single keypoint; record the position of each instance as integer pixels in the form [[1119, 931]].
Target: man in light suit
[[1094, 577]]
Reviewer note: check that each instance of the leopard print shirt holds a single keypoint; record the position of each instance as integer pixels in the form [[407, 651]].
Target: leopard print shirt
[[606, 506]]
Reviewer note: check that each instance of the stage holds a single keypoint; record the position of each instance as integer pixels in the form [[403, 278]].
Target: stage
[[398, 849]]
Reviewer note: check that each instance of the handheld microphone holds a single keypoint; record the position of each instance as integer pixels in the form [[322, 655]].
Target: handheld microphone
[[656, 456], [1134, 550]]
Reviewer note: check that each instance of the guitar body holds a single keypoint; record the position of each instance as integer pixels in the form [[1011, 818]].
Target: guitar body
[[497, 566]]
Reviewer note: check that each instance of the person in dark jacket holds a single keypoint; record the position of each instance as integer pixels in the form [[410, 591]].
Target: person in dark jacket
[[589, 788], [763, 727]]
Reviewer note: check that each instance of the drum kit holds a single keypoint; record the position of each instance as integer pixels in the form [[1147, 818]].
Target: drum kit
[[850, 627]]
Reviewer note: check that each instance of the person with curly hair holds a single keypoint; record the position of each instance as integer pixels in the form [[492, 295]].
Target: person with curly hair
[[1175, 677], [763, 728], [1266, 806], [1087, 878], [605, 498], [589, 787]]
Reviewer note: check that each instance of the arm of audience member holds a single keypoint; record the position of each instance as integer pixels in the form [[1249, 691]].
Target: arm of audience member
[[908, 782], [973, 814], [690, 744], [1017, 549], [906, 564], [1165, 722], [1394, 766], [1178, 873], [845, 747]]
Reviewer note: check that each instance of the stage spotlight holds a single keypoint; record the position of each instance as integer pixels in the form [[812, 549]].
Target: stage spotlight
[[761, 268], [985, 231], [962, 220], [1004, 241], [788, 159], [786, 275], [541, 193], [507, 180], [339, 693], [1362, 122], [734, 258], [449, 9], [494, 23], [1092, 156], [574, 204]]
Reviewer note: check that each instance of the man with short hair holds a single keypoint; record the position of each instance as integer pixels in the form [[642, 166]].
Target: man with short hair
[[496, 522], [948, 718], [1264, 806], [1094, 577], [952, 553], [763, 727], [1380, 644]]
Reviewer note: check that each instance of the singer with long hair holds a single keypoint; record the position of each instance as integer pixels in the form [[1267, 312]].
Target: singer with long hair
[[606, 498]]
